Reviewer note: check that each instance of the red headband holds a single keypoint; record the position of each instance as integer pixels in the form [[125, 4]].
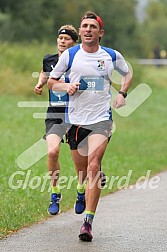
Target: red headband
[[99, 20]]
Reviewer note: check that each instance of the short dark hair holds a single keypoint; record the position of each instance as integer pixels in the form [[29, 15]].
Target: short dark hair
[[93, 15]]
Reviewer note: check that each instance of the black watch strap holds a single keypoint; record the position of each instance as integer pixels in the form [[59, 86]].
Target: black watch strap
[[123, 93]]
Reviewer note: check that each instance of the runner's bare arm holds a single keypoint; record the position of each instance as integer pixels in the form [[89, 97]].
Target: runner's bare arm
[[58, 85]]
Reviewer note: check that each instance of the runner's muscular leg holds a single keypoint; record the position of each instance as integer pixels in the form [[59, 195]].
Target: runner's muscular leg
[[97, 144], [53, 142], [80, 162]]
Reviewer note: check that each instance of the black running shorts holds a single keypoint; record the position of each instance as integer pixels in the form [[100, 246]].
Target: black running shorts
[[78, 135]]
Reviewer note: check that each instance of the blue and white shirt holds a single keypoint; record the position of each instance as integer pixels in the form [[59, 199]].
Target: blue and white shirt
[[93, 104]]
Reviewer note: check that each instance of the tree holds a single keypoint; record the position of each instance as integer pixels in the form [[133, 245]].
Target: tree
[[39, 20], [154, 27]]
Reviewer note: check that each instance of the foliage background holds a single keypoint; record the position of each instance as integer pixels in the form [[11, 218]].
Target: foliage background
[[39, 20]]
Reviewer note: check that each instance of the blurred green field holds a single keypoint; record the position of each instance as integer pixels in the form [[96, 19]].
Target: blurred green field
[[138, 143]]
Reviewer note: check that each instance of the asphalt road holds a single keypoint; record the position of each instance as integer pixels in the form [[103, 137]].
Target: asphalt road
[[128, 220]]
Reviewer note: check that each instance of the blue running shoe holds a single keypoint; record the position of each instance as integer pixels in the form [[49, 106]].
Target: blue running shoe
[[54, 204], [80, 204]]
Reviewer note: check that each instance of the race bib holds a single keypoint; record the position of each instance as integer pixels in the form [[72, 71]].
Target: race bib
[[91, 83], [58, 98]]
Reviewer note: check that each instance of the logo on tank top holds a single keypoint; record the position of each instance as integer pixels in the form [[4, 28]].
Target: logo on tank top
[[101, 65]]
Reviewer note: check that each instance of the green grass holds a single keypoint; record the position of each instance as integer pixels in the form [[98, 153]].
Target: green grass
[[18, 62], [138, 144]]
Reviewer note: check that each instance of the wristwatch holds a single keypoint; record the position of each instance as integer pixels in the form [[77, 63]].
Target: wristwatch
[[123, 93]]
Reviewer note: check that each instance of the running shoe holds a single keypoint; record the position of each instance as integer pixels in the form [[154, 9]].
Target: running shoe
[[80, 203], [54, 207], [85, 232], [103, 179]]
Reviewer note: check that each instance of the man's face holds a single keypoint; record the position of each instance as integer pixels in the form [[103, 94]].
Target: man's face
[[64, 41], [90, 31]]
